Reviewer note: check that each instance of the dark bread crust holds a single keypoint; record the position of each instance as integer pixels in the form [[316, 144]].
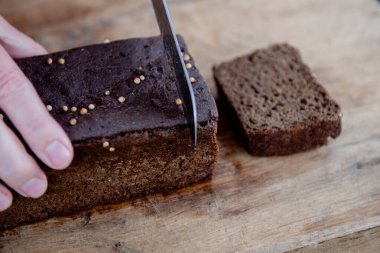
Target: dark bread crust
[[89, 71], [153, 147], [281, 108]]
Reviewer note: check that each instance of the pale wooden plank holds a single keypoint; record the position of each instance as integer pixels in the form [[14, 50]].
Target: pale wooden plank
[[251, 204], [367, 241]]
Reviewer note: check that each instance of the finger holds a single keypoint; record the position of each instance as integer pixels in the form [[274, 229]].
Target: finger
[[5, 198], [18, 169], [17, 44], [21, 103]]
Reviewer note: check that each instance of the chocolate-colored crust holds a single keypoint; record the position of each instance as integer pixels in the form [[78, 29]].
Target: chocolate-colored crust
[[280, 106], [153, 147], [89, 71]]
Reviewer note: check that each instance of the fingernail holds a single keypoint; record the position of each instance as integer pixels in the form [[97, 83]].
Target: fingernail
[[5, 201], [58, 154], [35, 187]]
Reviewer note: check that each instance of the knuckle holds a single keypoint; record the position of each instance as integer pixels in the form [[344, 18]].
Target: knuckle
[[10, 84], [16, 173], [36, 127], [2, 20]]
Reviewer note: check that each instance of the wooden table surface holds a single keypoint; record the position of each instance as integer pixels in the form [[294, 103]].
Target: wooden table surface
[[326, 200]]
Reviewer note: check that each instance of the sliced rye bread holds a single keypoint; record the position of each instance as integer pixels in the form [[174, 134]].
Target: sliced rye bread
[[281, 107]]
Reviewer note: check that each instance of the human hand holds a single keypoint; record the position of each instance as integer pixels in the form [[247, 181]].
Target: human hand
[[21, 103]]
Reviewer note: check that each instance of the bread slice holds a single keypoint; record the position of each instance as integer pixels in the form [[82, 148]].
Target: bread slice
[[281, 107], [131, 140]]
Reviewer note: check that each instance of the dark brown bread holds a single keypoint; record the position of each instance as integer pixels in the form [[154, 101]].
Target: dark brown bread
[[153, 150], [281, 107]]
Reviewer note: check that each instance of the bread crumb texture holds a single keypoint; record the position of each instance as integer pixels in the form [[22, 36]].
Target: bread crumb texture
[[281, 106]]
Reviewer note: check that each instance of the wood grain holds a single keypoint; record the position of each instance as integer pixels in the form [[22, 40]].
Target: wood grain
[[367, 241], [251, 204]]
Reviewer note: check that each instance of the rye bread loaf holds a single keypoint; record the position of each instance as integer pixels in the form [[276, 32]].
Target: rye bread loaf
[[124, 148], [281, 107]]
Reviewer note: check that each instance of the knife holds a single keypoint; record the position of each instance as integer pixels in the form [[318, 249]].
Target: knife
[[172, 48]]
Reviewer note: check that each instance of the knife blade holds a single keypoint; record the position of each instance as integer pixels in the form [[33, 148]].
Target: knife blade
[[183, 84]]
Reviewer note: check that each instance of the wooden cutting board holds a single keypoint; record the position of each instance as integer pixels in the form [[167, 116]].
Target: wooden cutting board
[[326, 200]]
